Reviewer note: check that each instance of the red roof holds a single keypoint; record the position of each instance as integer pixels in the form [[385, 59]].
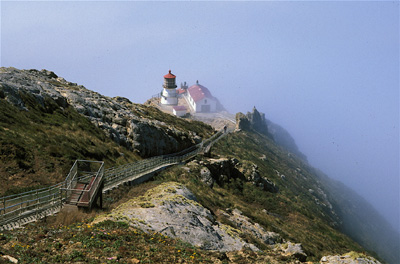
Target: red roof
[[169, 75], [180, 91], [198, 92], [179, 108]]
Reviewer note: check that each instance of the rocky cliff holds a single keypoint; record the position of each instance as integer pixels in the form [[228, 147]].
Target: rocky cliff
[[128, 124], [256, 121], [249, 201], [171, 209]]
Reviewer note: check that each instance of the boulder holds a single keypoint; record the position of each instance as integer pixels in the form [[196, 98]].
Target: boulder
[[293, 250], [206, 177], [252, 121], [245, 225], [171, 209], [349, 258]]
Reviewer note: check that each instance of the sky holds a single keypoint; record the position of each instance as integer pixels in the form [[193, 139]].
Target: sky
[[328, 72]]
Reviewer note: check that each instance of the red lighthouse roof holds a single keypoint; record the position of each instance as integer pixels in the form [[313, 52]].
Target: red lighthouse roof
[[169, 75]]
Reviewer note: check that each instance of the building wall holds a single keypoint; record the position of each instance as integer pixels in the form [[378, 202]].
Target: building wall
[[169, 97], [179, 112], [210, 105]]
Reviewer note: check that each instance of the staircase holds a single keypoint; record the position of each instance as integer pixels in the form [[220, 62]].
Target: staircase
[[85, 183]]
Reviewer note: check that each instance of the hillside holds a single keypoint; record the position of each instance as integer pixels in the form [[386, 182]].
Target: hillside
[[47, 123], [251, 198]]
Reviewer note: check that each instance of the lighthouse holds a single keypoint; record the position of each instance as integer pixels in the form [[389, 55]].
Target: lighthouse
[[169, 95]]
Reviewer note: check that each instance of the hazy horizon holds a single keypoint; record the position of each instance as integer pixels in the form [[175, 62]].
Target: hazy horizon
[[328, 72]]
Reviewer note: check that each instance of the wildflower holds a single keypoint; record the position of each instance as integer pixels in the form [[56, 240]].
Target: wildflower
[[179, 250]]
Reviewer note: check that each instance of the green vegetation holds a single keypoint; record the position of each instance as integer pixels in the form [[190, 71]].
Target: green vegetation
[[110, 242], [39, 146], [187, 125], [293, 212]]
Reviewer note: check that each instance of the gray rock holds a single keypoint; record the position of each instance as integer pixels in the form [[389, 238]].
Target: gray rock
[[292, 249], [252, 121], [113, 115], [244, 224], [349, 258], [296, 251], [171, 209], [205, 177]]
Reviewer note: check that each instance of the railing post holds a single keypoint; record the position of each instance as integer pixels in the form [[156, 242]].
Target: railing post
[[19, 211], [61, 198], [37, 204], [4, 208]]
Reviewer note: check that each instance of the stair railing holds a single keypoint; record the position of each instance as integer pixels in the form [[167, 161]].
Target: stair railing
[[19, 209]]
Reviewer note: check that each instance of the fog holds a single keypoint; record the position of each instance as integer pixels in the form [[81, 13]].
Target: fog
[[328, 72]]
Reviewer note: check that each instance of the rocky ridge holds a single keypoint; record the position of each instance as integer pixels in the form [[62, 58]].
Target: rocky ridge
[[124, 122], [256, 120], [220, 171], [349, 258], [171, 209], [224, 170]]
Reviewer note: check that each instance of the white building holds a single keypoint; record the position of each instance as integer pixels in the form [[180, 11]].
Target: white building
[[168, 94], [200, 99], [179, 110]]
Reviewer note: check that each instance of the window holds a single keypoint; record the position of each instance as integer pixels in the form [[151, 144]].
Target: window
[[205, 101]]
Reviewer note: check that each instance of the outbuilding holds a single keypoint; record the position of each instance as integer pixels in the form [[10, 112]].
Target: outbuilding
[[179, 110], [200, 99]]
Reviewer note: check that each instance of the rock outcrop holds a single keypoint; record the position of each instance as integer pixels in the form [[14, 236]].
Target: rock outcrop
[[245, 225], [123, 121], [349, 258], [254, 120], [171, 209], [223, 171], [257, 121]]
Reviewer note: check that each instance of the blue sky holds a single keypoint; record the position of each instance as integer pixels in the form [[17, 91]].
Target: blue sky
[[326, 71]]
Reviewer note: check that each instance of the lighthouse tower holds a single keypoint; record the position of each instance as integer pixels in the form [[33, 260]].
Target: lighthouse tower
[[169, 95]]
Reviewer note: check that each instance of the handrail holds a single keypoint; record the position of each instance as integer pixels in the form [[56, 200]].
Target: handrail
[[18, 209]]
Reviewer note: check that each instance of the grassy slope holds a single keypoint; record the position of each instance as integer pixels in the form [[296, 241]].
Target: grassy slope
[[292, 212], [38, 147], [201, 129], [112, 242]]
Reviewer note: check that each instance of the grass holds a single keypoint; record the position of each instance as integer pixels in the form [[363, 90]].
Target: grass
[[108, 242], [201, 129], [38, 147], [292, 212]]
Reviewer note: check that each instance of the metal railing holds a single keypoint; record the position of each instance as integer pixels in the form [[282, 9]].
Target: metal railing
[[129, 172], [19, 209], [93, 177]]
